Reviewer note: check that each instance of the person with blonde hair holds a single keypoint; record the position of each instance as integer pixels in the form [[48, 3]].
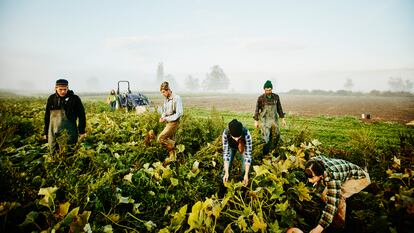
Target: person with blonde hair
[[172, 111]]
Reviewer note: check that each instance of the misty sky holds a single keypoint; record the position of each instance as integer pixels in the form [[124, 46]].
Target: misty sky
[[298, 44]]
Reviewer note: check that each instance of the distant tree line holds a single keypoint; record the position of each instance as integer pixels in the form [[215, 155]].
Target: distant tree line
[[398, 87], [397, 84], [349, 93], [215, 80]]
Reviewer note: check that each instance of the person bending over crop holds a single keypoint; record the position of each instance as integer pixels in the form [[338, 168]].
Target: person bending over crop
[[341, 179], [172, 111], [236, 138], [63, 110], [268, 111]]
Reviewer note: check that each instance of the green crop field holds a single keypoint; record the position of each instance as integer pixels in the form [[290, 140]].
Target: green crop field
[[114, 179]]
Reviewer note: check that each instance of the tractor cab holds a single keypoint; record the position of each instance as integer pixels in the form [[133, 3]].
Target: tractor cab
[[131, 101]]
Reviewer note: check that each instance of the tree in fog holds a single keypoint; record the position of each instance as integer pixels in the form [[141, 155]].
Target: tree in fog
[[160, 72], [216, 79], [191, 83], [349, 84], [171, 80], [399, 85]]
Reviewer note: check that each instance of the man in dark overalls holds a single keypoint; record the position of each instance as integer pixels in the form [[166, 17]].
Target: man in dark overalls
[[268, 111], [63, 110]]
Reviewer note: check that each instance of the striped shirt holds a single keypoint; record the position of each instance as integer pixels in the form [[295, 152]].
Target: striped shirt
[[247, 155], [337, 171]]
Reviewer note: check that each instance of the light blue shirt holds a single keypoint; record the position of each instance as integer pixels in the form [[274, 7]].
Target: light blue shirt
[[173, 108]]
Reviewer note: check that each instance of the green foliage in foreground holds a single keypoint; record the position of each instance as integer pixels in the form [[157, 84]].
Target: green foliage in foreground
[[118, 179]]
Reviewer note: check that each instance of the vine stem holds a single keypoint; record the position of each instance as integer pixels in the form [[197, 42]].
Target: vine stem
[[129, 228]]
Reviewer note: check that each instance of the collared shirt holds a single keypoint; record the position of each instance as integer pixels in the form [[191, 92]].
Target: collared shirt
[[173, 108], [337, 171], [247, 148]]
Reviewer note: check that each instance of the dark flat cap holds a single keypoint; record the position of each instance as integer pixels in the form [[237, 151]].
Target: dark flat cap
[[62, 82]]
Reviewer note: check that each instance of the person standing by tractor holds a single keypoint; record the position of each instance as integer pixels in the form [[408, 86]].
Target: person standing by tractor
[[267, 114], [172, 111], [63, 110], [111, 100]]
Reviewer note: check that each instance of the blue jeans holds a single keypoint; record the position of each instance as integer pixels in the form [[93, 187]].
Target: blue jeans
[[232, 154]]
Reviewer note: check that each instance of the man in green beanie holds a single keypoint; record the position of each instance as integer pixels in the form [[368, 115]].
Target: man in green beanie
[[268, 111]]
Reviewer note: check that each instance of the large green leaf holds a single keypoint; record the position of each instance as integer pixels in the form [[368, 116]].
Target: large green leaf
[[30, 218], [178, 218], [260, 170], [71, 216], [303, 192], [258, 223], [49, 196], [196, 217], [63, 210], [242, 223]]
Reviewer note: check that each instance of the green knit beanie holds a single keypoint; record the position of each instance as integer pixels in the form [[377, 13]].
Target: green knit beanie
[[268, 84]]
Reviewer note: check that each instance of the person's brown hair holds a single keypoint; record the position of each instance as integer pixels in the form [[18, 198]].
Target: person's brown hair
[[240, 144], [314, 168], [164, 86]]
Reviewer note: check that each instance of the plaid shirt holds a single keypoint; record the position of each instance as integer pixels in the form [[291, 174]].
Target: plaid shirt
[[247, 155], [337, 171]]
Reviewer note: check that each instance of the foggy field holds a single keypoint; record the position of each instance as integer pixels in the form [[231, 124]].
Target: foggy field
[[330, 62], [381, 108], [115, 177], [396, 109]]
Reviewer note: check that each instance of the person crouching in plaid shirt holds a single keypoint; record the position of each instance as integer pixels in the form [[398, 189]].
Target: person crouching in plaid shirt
[[236, 138], [342, 179]]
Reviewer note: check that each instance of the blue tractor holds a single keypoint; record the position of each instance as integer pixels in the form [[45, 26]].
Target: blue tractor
[[130, 101]]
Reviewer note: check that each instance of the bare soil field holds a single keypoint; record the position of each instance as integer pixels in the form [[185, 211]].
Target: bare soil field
[[396, 109], [393, 109]]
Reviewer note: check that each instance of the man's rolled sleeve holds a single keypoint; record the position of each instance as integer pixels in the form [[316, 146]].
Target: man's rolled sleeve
[[332, 200], [47, 119], [81, 116], [258, 109], [248, 149], [226, 152]]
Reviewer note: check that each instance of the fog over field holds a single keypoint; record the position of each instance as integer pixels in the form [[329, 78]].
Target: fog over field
[[325, 45]]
